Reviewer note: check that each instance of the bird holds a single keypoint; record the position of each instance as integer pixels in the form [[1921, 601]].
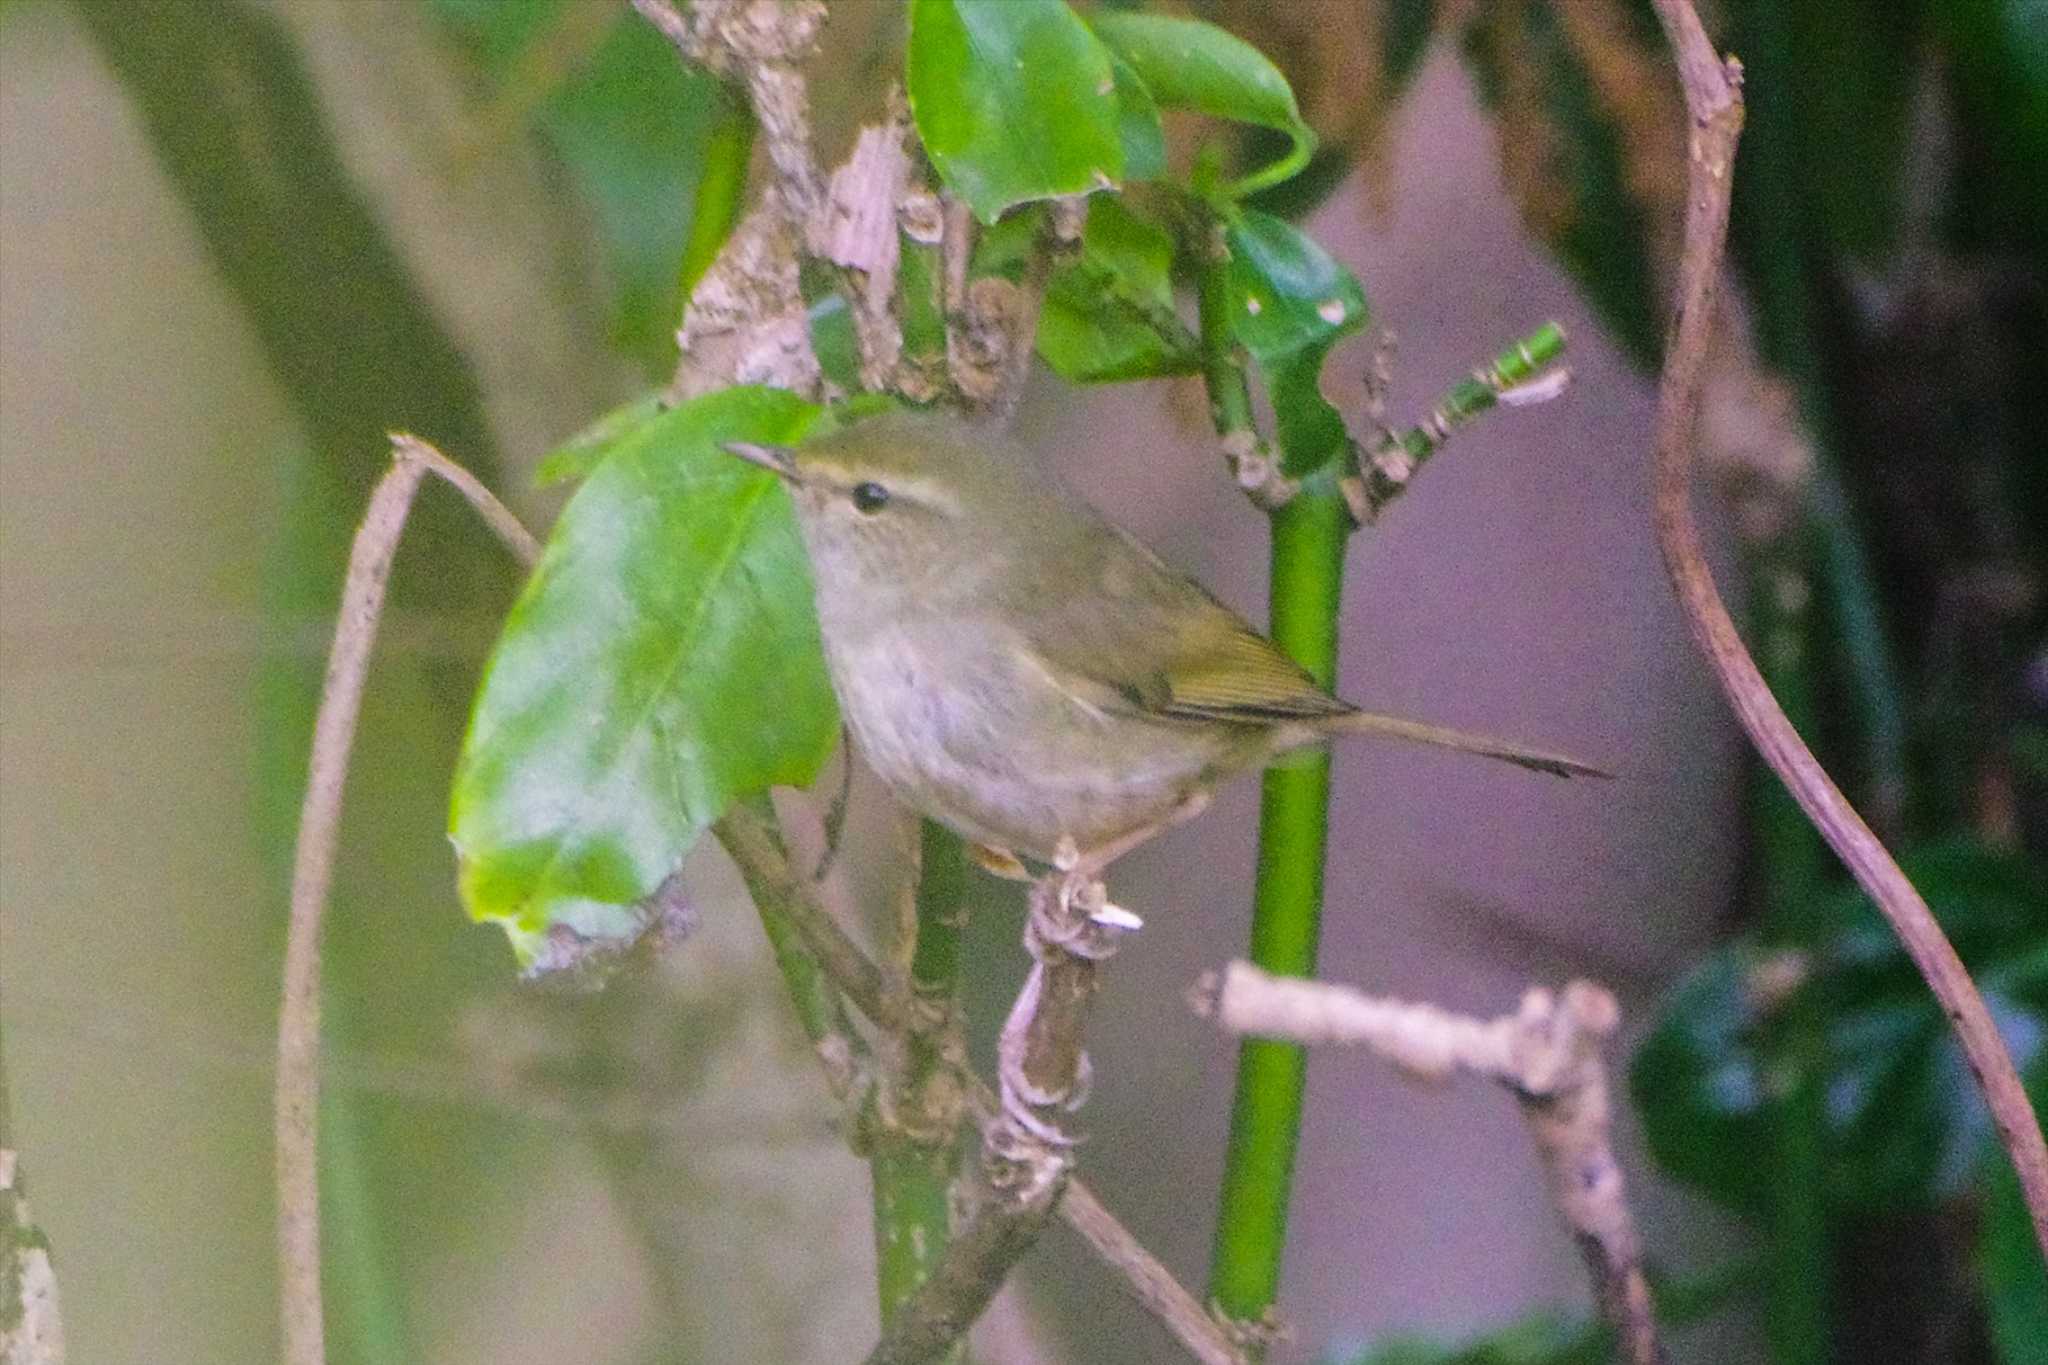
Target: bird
[[1014, 665]]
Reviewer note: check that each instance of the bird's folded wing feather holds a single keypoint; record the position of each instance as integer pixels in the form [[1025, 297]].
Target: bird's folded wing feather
[[1158, 644]]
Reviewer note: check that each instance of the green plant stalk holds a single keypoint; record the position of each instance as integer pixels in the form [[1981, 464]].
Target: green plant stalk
[[913, 1171], [1477, 393], [721, 189], [1309, 537]]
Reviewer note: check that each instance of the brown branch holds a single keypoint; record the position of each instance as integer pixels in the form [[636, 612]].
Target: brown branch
[[1714, 101], [297, 1100], [1548, 1056]]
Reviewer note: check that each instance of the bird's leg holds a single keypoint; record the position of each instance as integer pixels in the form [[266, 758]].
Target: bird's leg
[[1096, 859]]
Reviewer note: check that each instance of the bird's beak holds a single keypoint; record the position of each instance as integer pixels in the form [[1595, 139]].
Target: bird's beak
[[774, 459]]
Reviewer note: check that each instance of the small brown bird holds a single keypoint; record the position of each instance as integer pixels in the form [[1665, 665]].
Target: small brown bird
[[1020, 669]]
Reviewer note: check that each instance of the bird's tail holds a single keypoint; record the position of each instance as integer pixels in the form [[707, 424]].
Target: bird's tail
[[1372, 723]]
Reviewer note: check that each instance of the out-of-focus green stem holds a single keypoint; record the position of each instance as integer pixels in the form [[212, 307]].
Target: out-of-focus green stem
[[1779, 242], [1309, 536], [721, 189], [1793, 861]]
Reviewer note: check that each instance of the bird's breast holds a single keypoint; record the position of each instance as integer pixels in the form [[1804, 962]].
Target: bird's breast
[[963, 724]]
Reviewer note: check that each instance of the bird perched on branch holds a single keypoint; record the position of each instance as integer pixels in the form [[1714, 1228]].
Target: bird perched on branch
[[1021, 669]]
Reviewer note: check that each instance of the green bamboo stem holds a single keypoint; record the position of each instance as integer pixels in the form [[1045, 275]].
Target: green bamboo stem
[[1309, 537]]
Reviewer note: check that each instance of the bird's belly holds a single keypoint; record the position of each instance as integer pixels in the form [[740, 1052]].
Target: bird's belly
[[998, 753]]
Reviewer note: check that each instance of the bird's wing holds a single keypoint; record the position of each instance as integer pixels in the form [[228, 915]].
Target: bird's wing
[[1157, 643]]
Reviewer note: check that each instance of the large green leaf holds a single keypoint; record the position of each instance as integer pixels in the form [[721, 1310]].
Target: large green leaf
[[1015, 100], [662, 662], [1188, 64], [1905, 1121], [1289, 304]]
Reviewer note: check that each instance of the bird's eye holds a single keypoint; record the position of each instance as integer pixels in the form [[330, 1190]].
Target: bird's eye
[[870, 497]]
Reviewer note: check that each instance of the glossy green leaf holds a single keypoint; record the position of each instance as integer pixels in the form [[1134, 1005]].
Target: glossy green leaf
[[2015, 1280], [1015, 100], [1578, 201], [1906, 1123], [663, 661], [1188, 64], [1289, 304]]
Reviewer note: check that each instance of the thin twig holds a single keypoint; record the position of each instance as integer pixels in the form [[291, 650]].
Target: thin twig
[[1713, 98], [1548, 1056], [1059, 241], [298, 1031], [1515, 377]]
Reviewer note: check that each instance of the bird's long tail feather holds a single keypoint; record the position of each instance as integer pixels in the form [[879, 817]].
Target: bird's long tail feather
[[1393, 727]]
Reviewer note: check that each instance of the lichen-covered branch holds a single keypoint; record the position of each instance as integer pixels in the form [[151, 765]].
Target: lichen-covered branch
[[1548, 1056]]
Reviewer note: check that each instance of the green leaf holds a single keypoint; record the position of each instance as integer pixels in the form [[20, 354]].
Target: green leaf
[[2015, 1280], [1289, 304], [1144, 141], [1540, 1339], [583, 452], [662, 662], [1189, 64], [1570, 183], [1906, 1123], [1015, 100], [1108, 316]]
